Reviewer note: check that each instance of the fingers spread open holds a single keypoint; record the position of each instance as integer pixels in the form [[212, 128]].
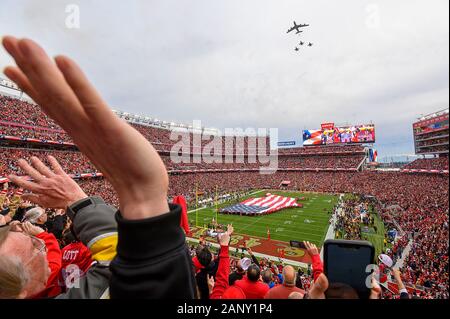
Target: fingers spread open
[[44, 170], [55, 165], [36, 199], [22, 182], [29, 170]]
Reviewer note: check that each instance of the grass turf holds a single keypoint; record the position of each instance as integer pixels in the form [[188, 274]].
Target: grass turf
[[308, 223]]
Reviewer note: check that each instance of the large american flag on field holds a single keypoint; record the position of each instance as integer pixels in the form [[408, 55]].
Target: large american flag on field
[[262, 205]]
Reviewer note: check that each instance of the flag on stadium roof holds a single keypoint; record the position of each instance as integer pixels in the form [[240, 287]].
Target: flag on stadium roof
[[262, 205]]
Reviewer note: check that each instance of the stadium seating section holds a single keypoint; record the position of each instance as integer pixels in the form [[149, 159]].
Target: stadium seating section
[[423, 198]]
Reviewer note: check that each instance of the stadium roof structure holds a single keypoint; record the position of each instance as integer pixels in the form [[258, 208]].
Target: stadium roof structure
[[151, 121], [432, 115], [9, 84]]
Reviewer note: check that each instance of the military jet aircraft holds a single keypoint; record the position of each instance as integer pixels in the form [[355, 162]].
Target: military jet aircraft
[[296, 49], [297, 27], [301, 43], [310, 44]]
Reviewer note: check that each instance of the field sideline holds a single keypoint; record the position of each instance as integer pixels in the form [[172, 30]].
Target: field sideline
[[309, 222]]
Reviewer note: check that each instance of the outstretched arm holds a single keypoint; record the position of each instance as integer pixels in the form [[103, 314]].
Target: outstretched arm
[[119, 151], [151, 243]]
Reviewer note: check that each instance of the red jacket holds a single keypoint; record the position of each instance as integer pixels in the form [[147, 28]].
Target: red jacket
[[253, 290], [317, 266], [223, 271], [54, 262]]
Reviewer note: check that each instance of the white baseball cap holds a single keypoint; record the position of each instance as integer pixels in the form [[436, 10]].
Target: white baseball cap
[[245, 263], [385, 259]]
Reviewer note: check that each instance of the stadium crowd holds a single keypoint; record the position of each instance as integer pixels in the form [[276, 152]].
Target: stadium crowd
[[151, 240], [72, 162], [438, 163]]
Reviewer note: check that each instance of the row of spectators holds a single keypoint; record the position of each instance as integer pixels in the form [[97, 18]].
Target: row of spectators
[[33, 132], [333, 149], [27, 120], [72, 162], [23, 112], [437, 163], [75, 162]]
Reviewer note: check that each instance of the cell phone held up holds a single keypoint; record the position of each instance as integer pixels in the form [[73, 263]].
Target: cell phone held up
[[297, 244], [348, 265]]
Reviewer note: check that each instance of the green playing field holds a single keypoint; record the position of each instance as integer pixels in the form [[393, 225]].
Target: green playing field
[[308, 223]]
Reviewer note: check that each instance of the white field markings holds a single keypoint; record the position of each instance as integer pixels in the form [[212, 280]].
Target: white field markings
[[299, 229], [294, 230], [252, 224], [288, 229], [299, 221]]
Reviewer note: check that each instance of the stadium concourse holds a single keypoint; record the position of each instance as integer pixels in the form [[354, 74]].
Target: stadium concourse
[[415, 199]]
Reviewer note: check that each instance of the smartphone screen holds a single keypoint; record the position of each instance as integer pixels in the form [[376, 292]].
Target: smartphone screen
[[346, 262], [297, 244]]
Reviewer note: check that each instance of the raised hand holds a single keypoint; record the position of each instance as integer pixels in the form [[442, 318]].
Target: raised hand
[[375, 291], [51, 187], [31, 229], [211, 283], [311, 248], [230, 229], [318, 288], [123, 155]]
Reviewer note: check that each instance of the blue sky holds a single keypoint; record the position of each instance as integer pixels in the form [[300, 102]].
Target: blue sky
[[230, 63]]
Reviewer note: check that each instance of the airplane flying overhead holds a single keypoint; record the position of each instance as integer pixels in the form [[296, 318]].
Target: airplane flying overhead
[[296, 49], [301, 43], [296, 27], [310, 44]]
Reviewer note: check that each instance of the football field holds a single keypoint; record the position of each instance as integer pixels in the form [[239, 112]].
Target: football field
[[307, 223]]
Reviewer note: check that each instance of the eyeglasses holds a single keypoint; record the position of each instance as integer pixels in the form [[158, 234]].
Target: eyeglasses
[[39, 246]]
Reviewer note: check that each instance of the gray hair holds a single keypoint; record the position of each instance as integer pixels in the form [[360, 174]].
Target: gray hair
[[33, 214], [13, 275]]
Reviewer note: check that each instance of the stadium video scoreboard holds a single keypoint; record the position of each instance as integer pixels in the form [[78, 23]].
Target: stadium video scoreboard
[[331, 134]]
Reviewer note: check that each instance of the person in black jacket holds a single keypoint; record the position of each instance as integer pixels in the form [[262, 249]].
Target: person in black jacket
[[152, 260]]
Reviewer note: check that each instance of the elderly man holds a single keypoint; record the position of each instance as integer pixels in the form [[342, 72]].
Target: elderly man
[[251, 284], [39, 217], [283, 291]]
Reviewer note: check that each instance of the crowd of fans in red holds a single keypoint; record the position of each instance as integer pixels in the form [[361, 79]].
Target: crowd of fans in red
[[423, 198], [438, 163], [73, 162]]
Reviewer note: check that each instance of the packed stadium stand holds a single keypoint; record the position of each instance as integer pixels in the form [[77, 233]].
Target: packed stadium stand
[[422, 198], [439, 163]]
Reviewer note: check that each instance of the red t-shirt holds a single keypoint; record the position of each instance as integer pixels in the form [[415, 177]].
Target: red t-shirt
[[78, 254], [282, 292], [253, 290], [75, 254]]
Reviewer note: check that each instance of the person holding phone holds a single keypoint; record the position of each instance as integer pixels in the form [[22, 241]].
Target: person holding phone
[[347, 263]]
